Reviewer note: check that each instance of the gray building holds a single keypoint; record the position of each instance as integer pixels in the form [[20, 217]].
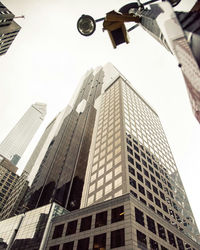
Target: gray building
[[8, 29], [16, 142]]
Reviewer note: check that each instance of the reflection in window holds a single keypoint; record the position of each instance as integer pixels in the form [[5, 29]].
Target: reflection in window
[[58, 231], [86, 223], [171, 238], [117, 214], [153, 244], [151, 225], [99, 242], [141, 240], [101, 219], [161, 232], [139, 216], [83, 244], [71, 227], [117, 238]]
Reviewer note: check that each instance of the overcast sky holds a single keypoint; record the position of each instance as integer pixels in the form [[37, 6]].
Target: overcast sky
[[49, 56]]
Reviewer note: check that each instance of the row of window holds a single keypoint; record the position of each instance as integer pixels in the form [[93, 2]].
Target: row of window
[[159, 230], [117, 239], [117, 214]]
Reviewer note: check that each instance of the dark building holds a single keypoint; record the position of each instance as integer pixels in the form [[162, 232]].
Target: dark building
[[8, 179], [8, 29], [61, 175]]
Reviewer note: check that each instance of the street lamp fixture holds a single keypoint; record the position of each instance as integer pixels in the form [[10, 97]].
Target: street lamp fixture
[[86, 25]]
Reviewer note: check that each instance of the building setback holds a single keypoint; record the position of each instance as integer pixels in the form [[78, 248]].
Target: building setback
[[16, 142], [8, 29]]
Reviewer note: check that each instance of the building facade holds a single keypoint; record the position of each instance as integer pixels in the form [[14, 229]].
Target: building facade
[[16, 142], [61, 174], [120, 223], [8, 179], [8, 29], [130, 154], [14, 203]]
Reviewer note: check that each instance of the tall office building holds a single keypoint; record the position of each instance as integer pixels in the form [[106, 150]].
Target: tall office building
[[16, 142], [111, 158], [133, 196], [60, 177], [8, 29]]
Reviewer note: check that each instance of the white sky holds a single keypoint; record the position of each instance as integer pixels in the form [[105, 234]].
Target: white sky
[[49, 56]]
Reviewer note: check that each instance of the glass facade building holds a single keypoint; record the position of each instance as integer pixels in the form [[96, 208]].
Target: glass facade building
[[16, 142]]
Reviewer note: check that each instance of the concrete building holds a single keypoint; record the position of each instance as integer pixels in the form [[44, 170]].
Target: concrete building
[[8, 29], [8, 179], [16, 142]]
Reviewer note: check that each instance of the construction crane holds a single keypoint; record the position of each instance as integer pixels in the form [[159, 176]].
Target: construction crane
[[178, 32]]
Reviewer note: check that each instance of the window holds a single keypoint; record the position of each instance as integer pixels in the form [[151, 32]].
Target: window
[[138, 166], [137, 157], [141, 240], [180, 244], [151, 169], [133, 193], [155, 189], [163, 248], [86, 223], [144, 163], [139, 176], [71, 227], [68, 246], [157, 174], [151, 225], [159, 184], [58, 231], [153, 244], [143, 201], [117, 238], [157, 201], [54, 247], [132, 182], [147, 183], [162, 195], [149, 196], [129, 150], [129, 142], [164, 207], [171, 238], [99, 242], [161, 232], [117, 214], [83, 244], [130, 159], [153, 178], [141, 189], [149, 160], [131, 170], [145, 172], [139, 216], [101, 219]]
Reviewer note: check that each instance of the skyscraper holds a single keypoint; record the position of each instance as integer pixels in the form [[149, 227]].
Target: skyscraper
[[16, 142], [8, 29], [133, 196], [110, 157], [60, 177]]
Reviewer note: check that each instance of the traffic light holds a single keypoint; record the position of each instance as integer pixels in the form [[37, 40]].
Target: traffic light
[[114, 24]]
